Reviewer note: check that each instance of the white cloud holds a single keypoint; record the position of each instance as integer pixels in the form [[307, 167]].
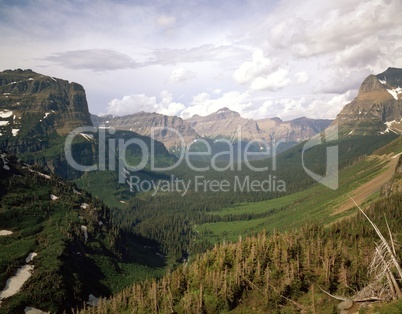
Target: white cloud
[[301, 77], [181, 75], [203, 104], [316, 28], [250, 70], [273, 81], [141, 102], [261, 73]]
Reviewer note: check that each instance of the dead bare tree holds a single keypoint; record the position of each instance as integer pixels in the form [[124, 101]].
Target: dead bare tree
[[385, 261], [384, 269]]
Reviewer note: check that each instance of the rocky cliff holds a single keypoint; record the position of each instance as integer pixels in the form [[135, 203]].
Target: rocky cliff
[[377, 109], [226, 123], [34, 107]]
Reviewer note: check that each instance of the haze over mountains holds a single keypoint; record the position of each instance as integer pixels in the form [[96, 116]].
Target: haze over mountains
[[224, 123]]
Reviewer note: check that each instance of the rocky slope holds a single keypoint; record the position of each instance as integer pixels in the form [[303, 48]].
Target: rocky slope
[[37, 112], [226, 123], [34, 107], [377, 109]]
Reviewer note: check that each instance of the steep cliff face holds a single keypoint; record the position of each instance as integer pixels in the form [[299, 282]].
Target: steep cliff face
[[377, 109], [296, 130], [35, 108], [226, 123]]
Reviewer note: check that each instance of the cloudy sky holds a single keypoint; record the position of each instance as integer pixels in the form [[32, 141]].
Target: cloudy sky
[[261, 58]]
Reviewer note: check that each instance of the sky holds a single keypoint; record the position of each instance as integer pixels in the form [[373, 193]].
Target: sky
[[261, 58]]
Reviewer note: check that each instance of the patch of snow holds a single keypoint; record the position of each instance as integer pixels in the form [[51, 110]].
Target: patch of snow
[[6, 113], [383, 81], [15, 283], [30, 257], [30, 79], [395, 92], [32, 310], [389, 124], [5, 232], [396, 156], [4, 123], [53, 79], [15, 131], [54, 197], [76, 192], [6, 94], [123, 202], [46, 114], [351, 132]]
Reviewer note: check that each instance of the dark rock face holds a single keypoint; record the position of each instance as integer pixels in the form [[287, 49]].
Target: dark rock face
[[37, 112], [34, 107], [378, 107]]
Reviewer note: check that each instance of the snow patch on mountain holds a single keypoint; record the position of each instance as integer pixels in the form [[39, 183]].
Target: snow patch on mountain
[[395, 92]]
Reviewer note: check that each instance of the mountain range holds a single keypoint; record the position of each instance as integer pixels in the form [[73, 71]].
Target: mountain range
[[222, 124]]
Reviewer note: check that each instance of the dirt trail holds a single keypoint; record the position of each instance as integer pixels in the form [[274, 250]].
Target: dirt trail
[[364, 191]]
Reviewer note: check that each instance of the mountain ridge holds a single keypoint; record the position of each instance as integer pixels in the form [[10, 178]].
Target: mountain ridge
[[224, 123], [377, 109]]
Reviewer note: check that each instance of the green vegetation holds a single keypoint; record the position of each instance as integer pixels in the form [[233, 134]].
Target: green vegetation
[[317, 203], [271, 272], [67, 268]]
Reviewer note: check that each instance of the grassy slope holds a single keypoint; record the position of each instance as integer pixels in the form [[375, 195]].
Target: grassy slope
[[316, 203]]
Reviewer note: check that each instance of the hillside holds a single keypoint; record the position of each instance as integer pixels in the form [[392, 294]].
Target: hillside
[[74, 248], [276, 272], [34, 106]]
